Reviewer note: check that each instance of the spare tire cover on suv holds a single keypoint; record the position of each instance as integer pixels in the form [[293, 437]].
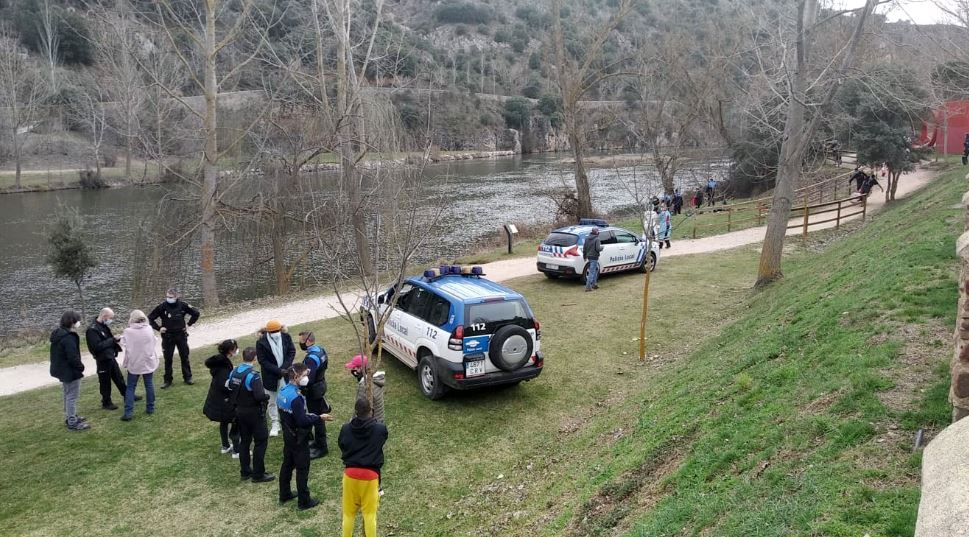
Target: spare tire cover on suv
[[510, 347]]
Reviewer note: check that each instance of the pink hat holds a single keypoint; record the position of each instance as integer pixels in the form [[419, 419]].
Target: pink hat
[[357, 361]]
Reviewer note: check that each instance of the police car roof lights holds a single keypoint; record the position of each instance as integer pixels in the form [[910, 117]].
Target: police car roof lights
[[593, 222], [452, 270]]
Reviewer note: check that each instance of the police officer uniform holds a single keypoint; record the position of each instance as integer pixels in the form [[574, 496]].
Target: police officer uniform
[[173, 321], [316, 363], [297, 424], [250, 400]]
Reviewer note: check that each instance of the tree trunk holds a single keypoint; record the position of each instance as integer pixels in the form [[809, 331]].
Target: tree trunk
[[80, 294], [127, 156], [582, 188], [210, 170], [17, 155], [898, 175]]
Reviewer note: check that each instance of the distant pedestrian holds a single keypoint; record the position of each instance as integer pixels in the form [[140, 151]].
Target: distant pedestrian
[[250, 400], [104, 347], [276, 352], [869, 183], [858, 177], [590, 251], [665, 227], [358, 368], [66, 366], [965, 150], [710, 191], [677, 202], [174, 332], [219, 406], [362, 445], [698, 199], [141, 361]]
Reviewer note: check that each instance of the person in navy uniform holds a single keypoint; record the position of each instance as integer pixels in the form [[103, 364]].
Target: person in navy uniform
[[174, 333], [316, 363], [104, 347], [297, 424], [250, 398]]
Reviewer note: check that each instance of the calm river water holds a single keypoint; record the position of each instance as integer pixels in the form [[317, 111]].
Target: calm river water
[[484, 194]]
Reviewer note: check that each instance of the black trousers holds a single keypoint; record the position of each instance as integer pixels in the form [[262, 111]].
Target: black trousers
[[109, 372], [319, 430], [296, 456], [170, 342], [229, 431], [252, 431]]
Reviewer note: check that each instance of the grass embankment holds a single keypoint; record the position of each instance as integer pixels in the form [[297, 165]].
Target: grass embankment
[[785, 412]]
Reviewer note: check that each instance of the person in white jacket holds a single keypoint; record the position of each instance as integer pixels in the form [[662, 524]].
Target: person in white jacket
[[141, 361]]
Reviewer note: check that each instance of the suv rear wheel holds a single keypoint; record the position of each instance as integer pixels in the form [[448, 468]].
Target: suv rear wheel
[[430, 384], [511, 347], [649, 265]]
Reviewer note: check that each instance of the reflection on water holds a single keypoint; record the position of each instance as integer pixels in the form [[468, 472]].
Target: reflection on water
[[482, 195]]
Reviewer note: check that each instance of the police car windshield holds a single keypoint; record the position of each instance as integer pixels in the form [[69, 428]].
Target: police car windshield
[[562, 239], [490, 312]]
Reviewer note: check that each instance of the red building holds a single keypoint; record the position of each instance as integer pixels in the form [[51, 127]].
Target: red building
[[947, 129]]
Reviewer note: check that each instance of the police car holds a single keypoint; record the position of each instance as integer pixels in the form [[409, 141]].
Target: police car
[[459, 330], [560, 254]]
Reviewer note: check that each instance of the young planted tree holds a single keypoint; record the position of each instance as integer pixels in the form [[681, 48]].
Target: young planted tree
[[582, 63], [69, 255], [22, 93], [806, 104]]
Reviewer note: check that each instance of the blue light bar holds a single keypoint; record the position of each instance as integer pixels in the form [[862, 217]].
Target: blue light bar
[[593, 222]]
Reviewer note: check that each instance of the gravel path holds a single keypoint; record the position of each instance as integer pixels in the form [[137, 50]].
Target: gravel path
[[205, 335]]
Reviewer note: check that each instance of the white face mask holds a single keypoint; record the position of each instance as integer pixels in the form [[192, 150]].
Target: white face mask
[[170, 300], [77, 325], [107, 322], [304, 381]]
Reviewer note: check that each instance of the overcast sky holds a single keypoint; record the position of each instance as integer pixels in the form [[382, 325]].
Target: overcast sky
[[917, 11]]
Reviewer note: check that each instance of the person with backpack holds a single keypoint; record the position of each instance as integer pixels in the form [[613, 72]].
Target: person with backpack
[[297, 425], [250, 398], [218, 403], [316, 363]]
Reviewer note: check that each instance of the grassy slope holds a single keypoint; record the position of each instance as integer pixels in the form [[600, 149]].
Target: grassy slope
[[599, 444]]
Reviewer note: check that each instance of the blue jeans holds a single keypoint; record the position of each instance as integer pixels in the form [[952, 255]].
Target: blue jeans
[[129, 396], [592, 277]]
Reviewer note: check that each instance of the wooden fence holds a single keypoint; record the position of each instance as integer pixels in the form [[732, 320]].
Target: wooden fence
[[842, 209]]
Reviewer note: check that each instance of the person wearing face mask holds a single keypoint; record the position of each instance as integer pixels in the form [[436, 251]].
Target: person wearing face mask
[[174, 332], [316, 363], [249, 399], [66, 366], [297, 424], [218, 403], [275, 351], [104, 347], [141, 361]]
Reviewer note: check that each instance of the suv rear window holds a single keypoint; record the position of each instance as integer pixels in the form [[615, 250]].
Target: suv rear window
[[562, 239], [494, 315]]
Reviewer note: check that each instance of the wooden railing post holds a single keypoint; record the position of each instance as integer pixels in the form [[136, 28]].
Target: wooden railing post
[[729, 213], [837, 222], [807, 213], [695, 216]]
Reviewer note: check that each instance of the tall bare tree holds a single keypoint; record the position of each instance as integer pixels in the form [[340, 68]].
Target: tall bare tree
[[805, 108], [580, 67], [22, 92]]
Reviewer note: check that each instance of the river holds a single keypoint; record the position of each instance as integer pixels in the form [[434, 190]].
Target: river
[[483, 194]]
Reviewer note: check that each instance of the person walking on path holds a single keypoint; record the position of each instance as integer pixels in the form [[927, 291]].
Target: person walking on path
[[316, 363], [665, 226], [858, 177], [591, 250], [174, 332], [218, 403], [250, 399], [362, 445], [141, 361], [276, 352], [66, 366], [297, 425], [870, 182], [358, 368], [104, 347]]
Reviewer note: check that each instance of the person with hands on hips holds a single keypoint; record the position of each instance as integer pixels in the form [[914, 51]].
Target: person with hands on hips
[[174, 332]]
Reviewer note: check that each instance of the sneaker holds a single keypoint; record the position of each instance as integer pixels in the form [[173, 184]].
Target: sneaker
[[595, 286], [264, 478], [274, 431], [166, 386], [235, 454], [225, 450], [79, 426], [588, 289], [110, 406], [126, 417], [380, 491]]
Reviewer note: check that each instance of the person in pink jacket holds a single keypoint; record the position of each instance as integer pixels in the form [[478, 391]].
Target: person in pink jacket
[[141, 361]]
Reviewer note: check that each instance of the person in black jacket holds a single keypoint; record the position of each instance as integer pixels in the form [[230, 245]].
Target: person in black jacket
[[218, 403], [362, 443], [249, 398], [297, 424], [104, 347], [66, 366], [174, 333], [276, 351], [316, 363], [590, 251]]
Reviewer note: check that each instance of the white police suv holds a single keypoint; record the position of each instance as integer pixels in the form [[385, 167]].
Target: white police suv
[[560, 254], [460, 330]]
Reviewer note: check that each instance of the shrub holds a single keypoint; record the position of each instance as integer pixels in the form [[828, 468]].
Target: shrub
[[532, 90], [455, 12], [90, 180], [535, 61], [548, 105], [461, 30], [517, 112]]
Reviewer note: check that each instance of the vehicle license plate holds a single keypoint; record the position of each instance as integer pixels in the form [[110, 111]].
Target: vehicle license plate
[[474, 369], [551, 267]]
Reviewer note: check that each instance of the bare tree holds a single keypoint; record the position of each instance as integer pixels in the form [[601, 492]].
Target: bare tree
[[88, 110], [802, 99], [579, 69], [49, 34], [22, 91]]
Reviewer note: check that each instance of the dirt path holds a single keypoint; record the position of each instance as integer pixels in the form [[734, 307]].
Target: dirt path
[[206, 334]]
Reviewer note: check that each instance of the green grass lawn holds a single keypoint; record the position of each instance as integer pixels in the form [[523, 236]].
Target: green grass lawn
[[783, 412]]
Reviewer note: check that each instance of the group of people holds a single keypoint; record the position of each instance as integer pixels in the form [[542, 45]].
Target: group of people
[[708, 192], [239, 398], [864, 181]]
